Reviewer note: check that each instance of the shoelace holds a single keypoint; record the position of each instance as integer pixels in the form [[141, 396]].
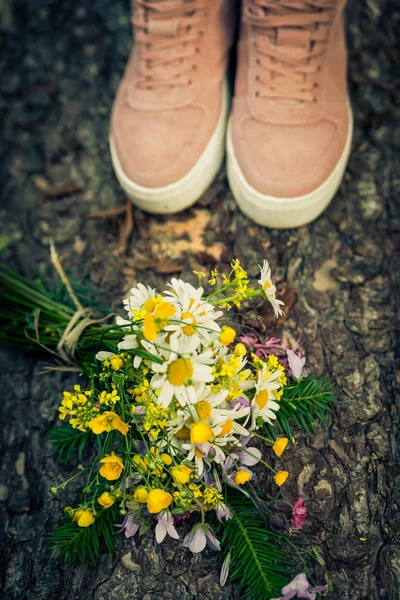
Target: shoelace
[[167, 33], [284, 74]]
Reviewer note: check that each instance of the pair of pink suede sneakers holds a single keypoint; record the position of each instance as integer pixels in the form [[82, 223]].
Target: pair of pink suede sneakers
[[289, 127]]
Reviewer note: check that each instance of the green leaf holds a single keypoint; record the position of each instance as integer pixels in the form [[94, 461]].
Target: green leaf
[[73, 544], [259, 560], [65, 440], [302, 402]]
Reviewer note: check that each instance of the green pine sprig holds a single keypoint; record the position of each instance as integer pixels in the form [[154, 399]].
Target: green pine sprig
[[302, 402], [75, 544], [260, 563], [65, 441]]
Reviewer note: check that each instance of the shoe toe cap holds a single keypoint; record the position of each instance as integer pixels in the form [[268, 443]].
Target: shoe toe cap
[[155, 148], [287, 161]]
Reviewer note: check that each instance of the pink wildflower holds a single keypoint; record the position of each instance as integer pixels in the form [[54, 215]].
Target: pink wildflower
[[299, 515]]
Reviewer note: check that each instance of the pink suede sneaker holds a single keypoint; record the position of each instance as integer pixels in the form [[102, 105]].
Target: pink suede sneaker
[[290, 131], [169, 117]]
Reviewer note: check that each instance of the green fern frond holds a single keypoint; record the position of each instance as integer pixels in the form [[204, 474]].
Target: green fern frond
[[260, 563], [301, 404], [65, 440], [83, 544]]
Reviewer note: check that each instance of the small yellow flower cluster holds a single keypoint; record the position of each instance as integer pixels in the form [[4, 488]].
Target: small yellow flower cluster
[[79, 407], [228, 375], [152, 463], [142, 391], [109, 399], [274, 365], [211, 497], [155, 420]]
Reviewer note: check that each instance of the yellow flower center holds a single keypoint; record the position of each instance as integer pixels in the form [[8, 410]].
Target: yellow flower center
[[179, 371], [242, 476], [266, 284], [226, 427], [201, 433], [262, 398], [203, 409], [189, 329]]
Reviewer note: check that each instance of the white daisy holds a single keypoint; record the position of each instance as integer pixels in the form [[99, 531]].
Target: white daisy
[[178, 374], [269, 289], [139, 297], [264, 404], [199, 316]]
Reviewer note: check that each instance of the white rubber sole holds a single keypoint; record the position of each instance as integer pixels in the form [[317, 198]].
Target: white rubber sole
[[285, 213], [183, 193]]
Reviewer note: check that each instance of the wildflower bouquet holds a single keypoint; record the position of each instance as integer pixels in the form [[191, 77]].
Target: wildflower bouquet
[[181, 410]]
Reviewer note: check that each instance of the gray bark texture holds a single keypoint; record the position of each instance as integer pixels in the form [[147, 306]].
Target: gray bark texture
[[60, 66]]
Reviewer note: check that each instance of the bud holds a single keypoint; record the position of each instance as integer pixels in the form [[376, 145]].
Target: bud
[[69, 511], [278, 521], [86, 490], [122, 512], [53, 490]]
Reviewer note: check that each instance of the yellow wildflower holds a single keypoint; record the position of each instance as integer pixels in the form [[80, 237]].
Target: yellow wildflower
[[181, 474], [139, 463], [280, 446], [211, 497], [83, 517], [141, 495], [167, 460], [116, 362], [108, 421], [108, 398], [242, 476], [112, 467], [227, 336], [158, 500], [240, 350], [106, 500], [281, 477]]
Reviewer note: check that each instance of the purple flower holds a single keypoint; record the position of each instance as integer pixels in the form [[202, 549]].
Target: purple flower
[[300, 587], [296, 364], [165, 525], [299, 515], [200, 536], [130, 526], [223, 512], [240, 402]]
